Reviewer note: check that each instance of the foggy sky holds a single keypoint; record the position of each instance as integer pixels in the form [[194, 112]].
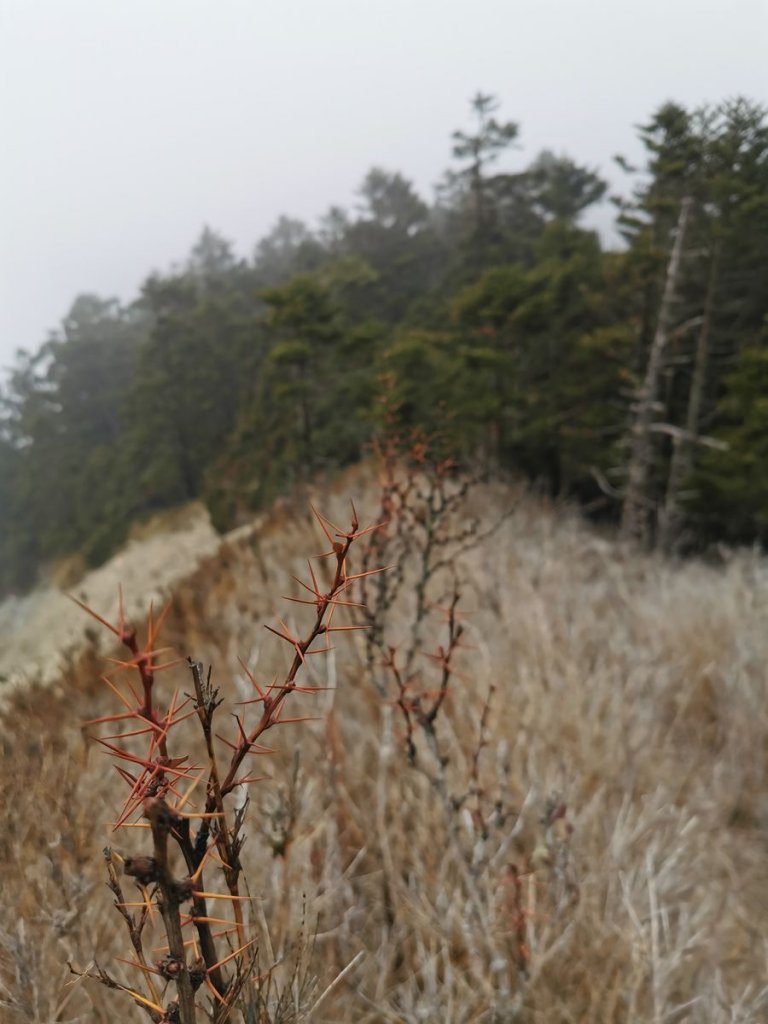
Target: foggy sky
[[127, 125]]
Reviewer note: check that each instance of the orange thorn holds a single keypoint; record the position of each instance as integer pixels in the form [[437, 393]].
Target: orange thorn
[[231, 956], [221, 896]]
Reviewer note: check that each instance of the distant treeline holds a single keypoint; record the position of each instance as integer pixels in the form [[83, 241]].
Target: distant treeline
[[634, 381]]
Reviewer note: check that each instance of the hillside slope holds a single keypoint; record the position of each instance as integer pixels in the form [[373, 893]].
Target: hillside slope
[[608, 863]]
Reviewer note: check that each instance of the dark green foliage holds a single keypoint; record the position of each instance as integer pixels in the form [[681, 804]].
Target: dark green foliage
[[62, 412], [424, 374], [560, 189], [308, 408], [194, 373], [471, 183], [731, 485], [289, 249], [393, 236], [544, 359], [718, 157]]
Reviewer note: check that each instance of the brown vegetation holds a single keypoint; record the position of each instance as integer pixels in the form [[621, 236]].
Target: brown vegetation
[[582, 838]]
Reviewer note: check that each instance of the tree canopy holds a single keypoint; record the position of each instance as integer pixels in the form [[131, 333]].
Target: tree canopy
[[633, 376]]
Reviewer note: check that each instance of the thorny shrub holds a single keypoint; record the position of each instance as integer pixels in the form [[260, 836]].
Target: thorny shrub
[[512, 886], [205, 953], [426, 530]]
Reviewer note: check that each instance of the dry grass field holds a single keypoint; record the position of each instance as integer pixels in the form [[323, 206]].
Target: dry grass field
[[590, 844]]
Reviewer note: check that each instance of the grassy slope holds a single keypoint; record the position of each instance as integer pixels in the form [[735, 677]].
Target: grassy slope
[[631, 690]]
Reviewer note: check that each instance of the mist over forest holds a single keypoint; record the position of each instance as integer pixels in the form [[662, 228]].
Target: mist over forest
[[631, 380]]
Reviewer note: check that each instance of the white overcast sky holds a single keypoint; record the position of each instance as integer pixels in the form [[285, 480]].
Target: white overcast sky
[[126, 125]]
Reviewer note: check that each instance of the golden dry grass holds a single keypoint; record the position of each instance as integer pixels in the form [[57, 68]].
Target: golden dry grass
[[629, 689]]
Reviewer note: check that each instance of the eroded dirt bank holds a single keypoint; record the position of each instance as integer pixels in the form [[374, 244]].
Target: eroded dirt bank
[[220, 589], [44, 631]]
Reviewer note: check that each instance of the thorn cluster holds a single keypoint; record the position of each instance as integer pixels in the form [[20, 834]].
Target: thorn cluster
[[160, 784]]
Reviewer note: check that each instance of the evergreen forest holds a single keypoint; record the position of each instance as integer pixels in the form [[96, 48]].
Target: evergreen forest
[[631, 379]]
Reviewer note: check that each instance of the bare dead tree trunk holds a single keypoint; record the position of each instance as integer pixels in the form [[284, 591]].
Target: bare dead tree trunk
[[634, 516], [670, 519]]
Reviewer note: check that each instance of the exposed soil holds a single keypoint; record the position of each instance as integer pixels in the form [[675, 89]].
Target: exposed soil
[[42, 631]]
